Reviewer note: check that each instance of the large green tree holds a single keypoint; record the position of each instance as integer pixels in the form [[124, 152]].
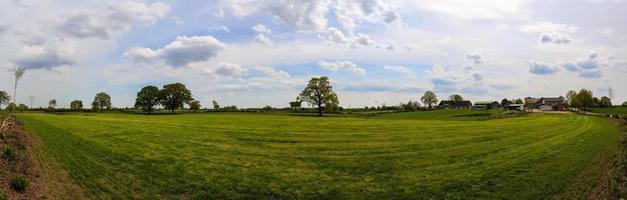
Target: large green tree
[[52, 103], [429, 99], [4, 98], [195, 106], [215, 105], [585, 99], [571, 98], [102, 101], [174, 96], [456, 97], [147, 98], [76, 105], [319, 92], [605, 102]]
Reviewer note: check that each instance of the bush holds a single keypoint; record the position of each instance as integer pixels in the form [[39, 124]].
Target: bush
[[8, 154], [19, 184]]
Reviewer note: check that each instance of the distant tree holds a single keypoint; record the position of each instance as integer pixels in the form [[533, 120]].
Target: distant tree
[[52, 104], [624, 104], [19, 73], [410, 106], [22, 107], [571, 98], [267, 108], [194, 105], [320, 93], [429, 99], [295, 104], [147, 98], [215, 105], [102, 101], [605, 102], [76, 105], [595, 102], [456, 97], [11, 107], [584, 99], [519, 101], [174, 96], [230, 108], [4, 98], [95, 107], [505, 102]]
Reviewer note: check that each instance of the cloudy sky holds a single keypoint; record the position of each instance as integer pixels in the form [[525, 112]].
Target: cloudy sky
[[262, 52]]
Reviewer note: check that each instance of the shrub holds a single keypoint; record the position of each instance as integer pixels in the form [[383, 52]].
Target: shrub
[[19, 184], [8, 154]]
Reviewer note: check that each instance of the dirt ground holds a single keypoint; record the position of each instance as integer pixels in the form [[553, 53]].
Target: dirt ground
[[47, 179]]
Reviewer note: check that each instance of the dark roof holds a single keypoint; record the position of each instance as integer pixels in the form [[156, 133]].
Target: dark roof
[[455, 104]]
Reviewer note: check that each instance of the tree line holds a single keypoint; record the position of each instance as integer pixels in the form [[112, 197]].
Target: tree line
[[318, 93]]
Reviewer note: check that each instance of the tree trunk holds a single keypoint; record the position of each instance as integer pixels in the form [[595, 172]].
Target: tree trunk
[[319, 109]]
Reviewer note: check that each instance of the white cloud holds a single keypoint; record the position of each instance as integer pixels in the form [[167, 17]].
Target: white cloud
[[180, 52], [350, 13], [466, 80], [476, 9], [47, 56], [227, 70], [333, 36], [343, 65], [541, 68], [398, 69], [587, 68], [475, 58], [301, 15], [550, 32], [260, 28], [219, 28], [261, 38], [117, 18], [262, 31]]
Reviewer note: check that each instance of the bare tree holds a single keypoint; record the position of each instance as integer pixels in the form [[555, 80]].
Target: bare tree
[[19, 72]]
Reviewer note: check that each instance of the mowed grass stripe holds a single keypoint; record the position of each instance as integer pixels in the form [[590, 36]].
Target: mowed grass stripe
[[281, 156]]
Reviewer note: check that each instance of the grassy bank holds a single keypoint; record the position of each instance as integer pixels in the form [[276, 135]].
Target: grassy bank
[[389, 156]]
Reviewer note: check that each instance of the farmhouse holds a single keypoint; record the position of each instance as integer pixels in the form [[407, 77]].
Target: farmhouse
[[547, 103], [486, 105], [519, 107], [455, 104]]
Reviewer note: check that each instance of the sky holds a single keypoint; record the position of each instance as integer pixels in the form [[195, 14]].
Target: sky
[[252, 53]]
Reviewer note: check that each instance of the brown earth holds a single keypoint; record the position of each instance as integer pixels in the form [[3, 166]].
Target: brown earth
[[47, 179]]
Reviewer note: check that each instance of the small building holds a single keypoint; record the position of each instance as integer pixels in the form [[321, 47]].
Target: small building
[[519, 107], [545, 108], [455, 104], [560, 106], [487, 104]]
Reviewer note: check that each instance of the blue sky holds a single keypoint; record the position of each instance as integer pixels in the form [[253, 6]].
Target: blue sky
[[255, 53]]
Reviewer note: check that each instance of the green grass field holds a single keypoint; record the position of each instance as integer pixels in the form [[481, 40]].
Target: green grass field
[[391, 156]]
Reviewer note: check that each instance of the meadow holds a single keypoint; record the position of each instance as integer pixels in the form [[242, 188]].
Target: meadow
[[419, 155]]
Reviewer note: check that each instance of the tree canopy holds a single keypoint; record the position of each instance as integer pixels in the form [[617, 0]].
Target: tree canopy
[[147, 98], [52, 103], [174, 96], [605, 102], [102, 101], [194, 105], [429, 99], [319, 92], [4, 98], [76, 105], [215, 105], [456, 97]]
